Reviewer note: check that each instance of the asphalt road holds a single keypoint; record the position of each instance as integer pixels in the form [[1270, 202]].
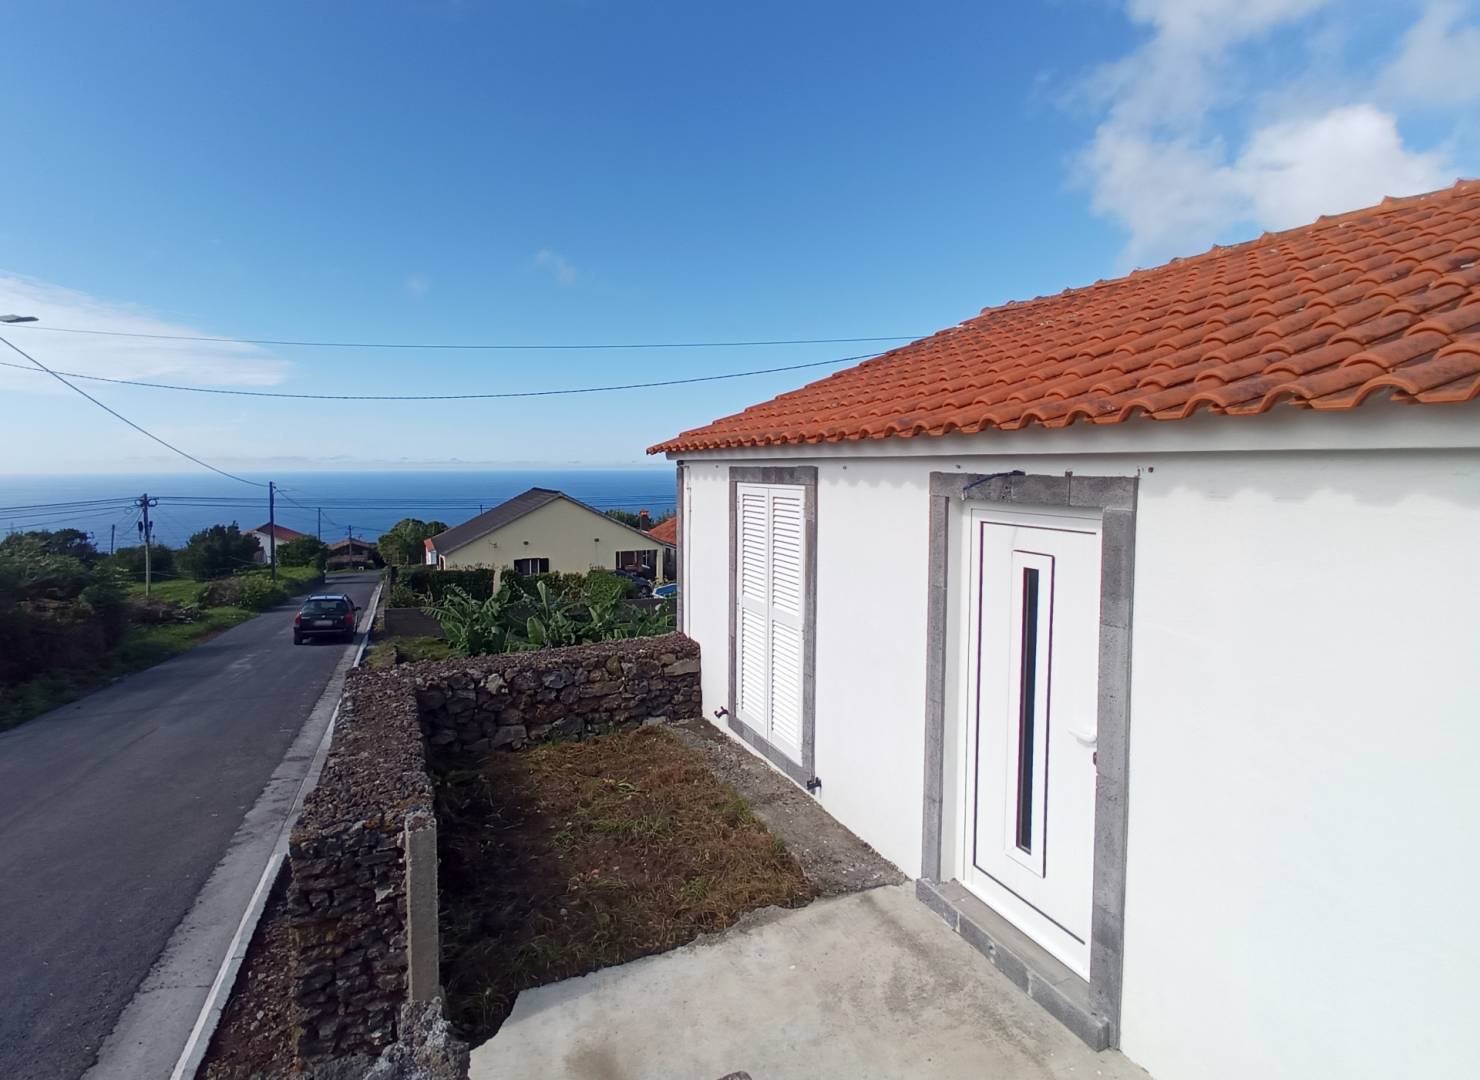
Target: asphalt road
[[113, 812]]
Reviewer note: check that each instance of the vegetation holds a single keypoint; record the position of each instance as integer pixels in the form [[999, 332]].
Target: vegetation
[[303, 551], [546, 611], [406, 650], [72, 619], [427, 582], [635, 520], [131, 560], [575, 856], [404, 543], [218, 551]]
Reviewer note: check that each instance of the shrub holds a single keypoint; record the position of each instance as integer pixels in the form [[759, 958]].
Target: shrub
[[260, 593], [73, 543], [303, 551], [477, 582], [106, 599], [131, 560], [254, 592], [218, 551], [27, 572], [531, 613], [402, 596], [473, 626]]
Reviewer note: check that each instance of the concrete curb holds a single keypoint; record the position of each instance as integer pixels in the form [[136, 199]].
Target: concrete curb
[[199, 1041]]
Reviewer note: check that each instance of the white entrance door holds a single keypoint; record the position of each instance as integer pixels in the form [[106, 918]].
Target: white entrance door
[[770, 549], [1030, 689]]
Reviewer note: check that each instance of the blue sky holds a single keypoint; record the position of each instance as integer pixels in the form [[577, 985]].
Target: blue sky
[[601, 171]]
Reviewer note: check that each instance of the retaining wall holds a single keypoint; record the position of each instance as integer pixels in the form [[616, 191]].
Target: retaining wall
[[471, 706], [410, 622], [363, 897]]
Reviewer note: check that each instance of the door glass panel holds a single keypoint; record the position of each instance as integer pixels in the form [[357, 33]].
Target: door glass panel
[[1027, 703]]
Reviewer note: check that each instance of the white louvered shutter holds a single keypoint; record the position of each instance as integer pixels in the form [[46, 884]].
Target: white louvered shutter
[[753, 572], [771, 558], [787, 597]]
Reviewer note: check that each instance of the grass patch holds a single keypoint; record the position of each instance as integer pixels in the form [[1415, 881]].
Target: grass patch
[[388, 652], [182, 590], [574, 856]]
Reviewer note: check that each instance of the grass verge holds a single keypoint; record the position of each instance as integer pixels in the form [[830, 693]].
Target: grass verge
[[574, 856], [141, 647]]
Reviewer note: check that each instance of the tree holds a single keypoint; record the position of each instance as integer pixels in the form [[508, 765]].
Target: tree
[[642, 520], [303, 551], [218, 551], [404, 543], [73, 543], [131, 559]]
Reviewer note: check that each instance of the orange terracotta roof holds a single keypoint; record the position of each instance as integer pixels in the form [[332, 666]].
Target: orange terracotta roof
[[666, 531], [1385, 299]]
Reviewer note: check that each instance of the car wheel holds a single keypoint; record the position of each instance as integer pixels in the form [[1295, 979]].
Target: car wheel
[[297, 639]]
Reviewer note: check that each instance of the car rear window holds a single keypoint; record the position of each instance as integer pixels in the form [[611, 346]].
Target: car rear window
[[325, 607]]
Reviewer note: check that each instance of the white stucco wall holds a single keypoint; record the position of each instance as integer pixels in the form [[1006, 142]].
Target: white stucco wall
[[573, 538], [1305, 726]]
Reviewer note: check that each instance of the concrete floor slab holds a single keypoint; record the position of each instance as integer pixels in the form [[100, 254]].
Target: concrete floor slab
[[867, 985]]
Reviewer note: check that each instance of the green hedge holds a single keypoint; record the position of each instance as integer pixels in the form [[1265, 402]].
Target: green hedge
[[429, 581]]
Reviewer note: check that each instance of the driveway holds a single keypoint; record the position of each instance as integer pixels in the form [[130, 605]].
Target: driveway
[[870, 985], [114, 813]]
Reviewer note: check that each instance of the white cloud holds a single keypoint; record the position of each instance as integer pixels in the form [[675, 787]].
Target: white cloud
[[190, 362], [1439, 63], [1292, 172], [1193, 145], [556, 265]]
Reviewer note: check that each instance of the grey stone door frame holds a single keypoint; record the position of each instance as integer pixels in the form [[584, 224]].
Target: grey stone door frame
[[805, 477], [1090, 1009]]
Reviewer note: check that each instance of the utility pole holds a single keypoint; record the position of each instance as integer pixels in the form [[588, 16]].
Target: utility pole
[[319, 528], [112, 531], [272, 527], [146, 530]]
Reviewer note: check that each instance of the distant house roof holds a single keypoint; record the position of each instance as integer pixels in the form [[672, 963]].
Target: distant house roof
[[351, 544], [281, 532], [506, 513], [1381, 301], [666, 531]]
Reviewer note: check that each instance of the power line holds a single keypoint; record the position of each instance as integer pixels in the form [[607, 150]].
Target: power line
[[476, 347], [126, 420], [435, 397]]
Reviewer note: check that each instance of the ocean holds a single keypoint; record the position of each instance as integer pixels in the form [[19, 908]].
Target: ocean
[[331, 504]]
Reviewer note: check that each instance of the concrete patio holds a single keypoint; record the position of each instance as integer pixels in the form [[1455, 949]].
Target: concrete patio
[[866, 985]]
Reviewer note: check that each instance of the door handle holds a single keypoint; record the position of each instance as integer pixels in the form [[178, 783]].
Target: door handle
[[1085, 738]]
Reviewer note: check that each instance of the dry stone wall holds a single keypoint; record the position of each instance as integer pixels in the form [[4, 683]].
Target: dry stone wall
[[472, 706], [347, 898], [353, 922]]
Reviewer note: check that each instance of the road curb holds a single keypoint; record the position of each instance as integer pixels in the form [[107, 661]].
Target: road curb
[[209, 1018]]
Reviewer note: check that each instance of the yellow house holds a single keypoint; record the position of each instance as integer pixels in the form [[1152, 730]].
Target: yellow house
[[544, 530]]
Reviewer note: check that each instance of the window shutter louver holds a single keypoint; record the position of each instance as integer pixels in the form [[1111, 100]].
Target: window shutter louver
[[770, 555]]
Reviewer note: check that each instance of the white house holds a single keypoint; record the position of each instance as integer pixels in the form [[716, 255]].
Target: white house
[[1139, 623], [269, 536]]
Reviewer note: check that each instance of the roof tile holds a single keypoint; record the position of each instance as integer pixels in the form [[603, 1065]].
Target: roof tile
[[1382, 302]]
